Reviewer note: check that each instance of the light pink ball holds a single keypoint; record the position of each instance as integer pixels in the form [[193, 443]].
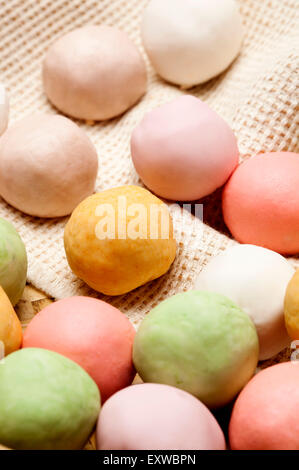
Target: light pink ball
[[47, 165], [154, 416], [184, 150]]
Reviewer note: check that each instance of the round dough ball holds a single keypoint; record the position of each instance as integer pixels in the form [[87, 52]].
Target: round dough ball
[[4, 109], [261, 202], [13, 261], [90, 332], [191, 41], [47, 402], [94, 73], [200, 342], [153, 416], [119, 239], [10, 327], [255, 279], [291, 307], [183, 150], [266, 413], [47, 165]]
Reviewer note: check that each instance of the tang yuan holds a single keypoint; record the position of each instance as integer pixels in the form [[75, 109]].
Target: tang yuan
[[155, 416], [183, 150], [119, 239], [47, 165], [94, 73]]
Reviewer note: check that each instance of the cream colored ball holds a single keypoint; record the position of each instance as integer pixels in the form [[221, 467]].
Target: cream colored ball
[[191, 41], [94, 73], [47, 165], [256, 280]]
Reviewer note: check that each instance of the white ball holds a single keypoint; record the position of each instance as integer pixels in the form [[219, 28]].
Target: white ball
[[4, 109], [191, 41], [256, 279]]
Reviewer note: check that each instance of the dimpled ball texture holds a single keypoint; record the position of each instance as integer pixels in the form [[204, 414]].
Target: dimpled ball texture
[[200, 342], [261, 202], [13, 262], [10, 327], [291, 307], [191, 41], [266, 413], [94, 73], [47, 165], [90, 332], [47, 402], [256, 280], [155, 416], [183, 150], [119, 239]]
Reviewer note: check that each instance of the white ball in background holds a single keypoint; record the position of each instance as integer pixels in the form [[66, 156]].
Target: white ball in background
[[256, 279], [4, 109], [191, 41]]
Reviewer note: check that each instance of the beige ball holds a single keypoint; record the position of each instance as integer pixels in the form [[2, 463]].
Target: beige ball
[[94, 73], [47, 165]]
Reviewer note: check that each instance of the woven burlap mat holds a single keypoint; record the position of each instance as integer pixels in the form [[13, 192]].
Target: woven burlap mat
[[257, 96]]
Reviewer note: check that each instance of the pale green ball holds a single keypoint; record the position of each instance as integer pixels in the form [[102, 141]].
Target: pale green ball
[[13, 262], [200, 342], [47, 401]]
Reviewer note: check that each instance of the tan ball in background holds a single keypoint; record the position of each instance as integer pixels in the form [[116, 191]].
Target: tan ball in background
[[94, 73], [47, 165]]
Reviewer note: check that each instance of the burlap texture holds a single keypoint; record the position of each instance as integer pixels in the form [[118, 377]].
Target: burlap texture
[[257, 96]]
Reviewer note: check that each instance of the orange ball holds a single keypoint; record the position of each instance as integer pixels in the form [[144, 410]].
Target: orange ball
[[90, 332], [261, 202], [266, 413]]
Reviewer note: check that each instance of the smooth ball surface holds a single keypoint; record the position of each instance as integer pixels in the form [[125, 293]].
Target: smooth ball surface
[[191, 41], [13, 261], [154, 416], [256, 280], [94, 73], [200, 342], [266, 413], [119, 239], [291, 307], [10, 327], [90, 332], [47, 165], [183, 150], [4, 108], [261, 202], [47, 402]]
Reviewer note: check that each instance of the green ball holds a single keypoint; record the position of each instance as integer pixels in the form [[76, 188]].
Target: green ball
[[200, 342], [46, 401], [13, 262]]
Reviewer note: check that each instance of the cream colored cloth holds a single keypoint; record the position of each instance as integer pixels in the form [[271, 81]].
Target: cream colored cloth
[[257, 96]]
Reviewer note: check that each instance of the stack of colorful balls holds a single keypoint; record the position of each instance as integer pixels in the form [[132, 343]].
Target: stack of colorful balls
[[197, 351]]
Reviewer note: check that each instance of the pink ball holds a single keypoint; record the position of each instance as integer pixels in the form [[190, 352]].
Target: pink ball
[[154, 416], [90, 332], [261, 202], [266, 413], [184, 150]]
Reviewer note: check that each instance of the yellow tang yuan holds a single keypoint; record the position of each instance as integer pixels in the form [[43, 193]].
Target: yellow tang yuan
[[10, 327], [291, 307], [119, 239]]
